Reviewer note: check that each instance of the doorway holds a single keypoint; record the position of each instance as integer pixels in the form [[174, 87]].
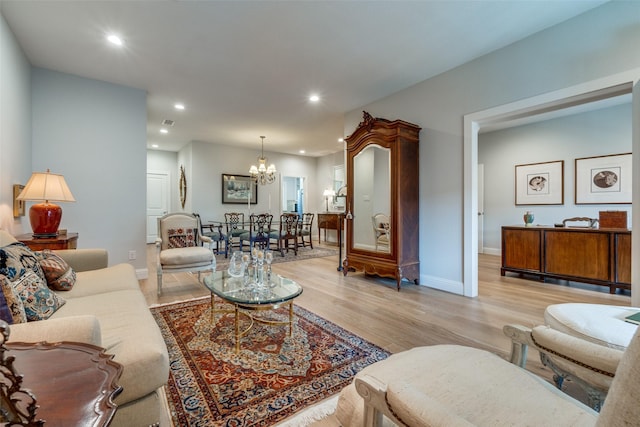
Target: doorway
[[293, 195], [157, 201]]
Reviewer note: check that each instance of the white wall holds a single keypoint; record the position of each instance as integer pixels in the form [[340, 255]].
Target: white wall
[[94, 133], [596, 133], [599, 43], [15, 127]]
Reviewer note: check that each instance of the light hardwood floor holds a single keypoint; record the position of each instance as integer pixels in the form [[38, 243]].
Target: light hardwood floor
[[417, 315]]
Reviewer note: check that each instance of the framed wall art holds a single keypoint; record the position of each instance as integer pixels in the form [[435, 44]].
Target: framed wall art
[[603, 179], [540, 183], [239, 189]]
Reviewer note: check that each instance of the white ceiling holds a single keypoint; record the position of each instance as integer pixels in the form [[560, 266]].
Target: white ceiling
[[246, 68]]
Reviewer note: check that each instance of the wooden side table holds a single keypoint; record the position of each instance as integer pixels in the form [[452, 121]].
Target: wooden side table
[[73, 384], [61, 241]]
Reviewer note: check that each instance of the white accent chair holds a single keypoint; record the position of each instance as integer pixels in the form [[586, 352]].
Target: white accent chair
[[597, 323], [450, 385], [381, 230], [179, 247]]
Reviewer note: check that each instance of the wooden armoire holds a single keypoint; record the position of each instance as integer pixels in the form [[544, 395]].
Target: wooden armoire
[[383, 199]]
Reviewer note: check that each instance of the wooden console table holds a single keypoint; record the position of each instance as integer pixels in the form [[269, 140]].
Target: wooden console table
[[74, 384], [329, 221], [596, 256], [61, 241]]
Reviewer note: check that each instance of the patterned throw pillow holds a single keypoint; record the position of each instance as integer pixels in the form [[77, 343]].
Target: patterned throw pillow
[[11, 307], [16, 259], [182, 237], [60, 276], [39, 301]]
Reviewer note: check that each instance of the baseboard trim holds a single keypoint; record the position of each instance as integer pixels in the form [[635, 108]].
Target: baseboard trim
[[442, 284], [142, 273]]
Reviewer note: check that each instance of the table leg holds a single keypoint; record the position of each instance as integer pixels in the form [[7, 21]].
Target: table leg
[[237, 330], [290, 318]]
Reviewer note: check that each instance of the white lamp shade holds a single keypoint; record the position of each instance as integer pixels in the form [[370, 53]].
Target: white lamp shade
[[46, 186], [328, 193]]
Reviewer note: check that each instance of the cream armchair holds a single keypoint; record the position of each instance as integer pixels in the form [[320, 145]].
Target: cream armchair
[[381, 230], [449, 385], [179, 246]]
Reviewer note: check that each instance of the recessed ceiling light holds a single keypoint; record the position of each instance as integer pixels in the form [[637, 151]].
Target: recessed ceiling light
[[314, 98], [340, 139], [179, 106], [154, 145], [164, 131], [113, 39], [301, 151]]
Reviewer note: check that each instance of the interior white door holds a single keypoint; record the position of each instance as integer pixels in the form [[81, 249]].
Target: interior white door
[[157, 201], [480, 208]]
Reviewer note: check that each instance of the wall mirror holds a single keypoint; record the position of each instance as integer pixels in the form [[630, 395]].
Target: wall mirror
[[372, 199], [339, 186]]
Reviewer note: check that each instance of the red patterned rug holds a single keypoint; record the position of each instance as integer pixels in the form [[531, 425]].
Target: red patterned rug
[[272, 377]]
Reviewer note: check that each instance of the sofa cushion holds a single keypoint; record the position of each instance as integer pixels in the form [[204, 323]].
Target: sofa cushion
[[118, 277], [60, 276], [131, 334], [11, 307], [38, 300], [16, 259]]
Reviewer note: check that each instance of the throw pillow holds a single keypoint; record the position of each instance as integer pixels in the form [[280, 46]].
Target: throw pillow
[[16, 259], [39, 301], [11, 307], [60, 276], [182, 237]]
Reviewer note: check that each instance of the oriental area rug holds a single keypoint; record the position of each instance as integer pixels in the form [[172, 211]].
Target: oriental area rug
[[273, 376]]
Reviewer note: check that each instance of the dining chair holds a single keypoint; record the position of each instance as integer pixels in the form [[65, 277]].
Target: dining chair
[[259, 231], [306, 225], [287, 235], [234, 224], [215, 233]]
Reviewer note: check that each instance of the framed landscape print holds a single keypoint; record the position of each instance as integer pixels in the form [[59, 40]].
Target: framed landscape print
[[603, 179], [239, 189], [540, 183]]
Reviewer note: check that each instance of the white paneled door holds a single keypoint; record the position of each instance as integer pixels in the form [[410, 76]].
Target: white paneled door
[[157, 201]]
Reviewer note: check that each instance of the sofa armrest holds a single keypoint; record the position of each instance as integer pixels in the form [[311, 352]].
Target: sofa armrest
[[85, 259], [84, 329]]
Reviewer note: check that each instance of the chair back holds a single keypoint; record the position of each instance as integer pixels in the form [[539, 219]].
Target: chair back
[[259, 229], [179, 230], [234, 221], [306, 223], [289, 225], [622, 405]]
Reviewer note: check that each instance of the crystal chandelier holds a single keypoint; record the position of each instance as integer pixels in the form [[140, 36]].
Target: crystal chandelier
[[261, 173]]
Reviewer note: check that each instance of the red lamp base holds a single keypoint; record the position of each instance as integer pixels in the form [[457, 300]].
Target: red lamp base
[[45, 219]]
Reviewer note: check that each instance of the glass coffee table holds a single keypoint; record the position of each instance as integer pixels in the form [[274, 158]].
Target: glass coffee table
[[249, 297]]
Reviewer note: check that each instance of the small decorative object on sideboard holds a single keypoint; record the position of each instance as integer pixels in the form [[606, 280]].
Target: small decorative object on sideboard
[[528, 219], [613, 219]]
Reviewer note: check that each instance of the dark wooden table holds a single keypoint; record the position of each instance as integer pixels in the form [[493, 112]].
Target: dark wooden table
[[74, 384], [61, 241]]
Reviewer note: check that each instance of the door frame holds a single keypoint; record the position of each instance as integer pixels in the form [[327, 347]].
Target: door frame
[[607, 87]]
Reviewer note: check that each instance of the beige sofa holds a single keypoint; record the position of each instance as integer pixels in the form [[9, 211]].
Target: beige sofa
[[107, 308]]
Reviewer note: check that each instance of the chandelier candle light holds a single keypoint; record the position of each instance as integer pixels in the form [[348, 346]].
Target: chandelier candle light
[[261, 173], [45, 187]]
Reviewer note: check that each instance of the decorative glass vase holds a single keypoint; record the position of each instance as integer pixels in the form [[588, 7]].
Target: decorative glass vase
[[528, 219], [236, 265]]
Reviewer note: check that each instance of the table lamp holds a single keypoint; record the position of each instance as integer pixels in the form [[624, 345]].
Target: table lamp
[[45, 187], [328, 193]]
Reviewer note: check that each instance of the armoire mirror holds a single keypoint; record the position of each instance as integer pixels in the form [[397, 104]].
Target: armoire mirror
[[372, 199], [382, 212]]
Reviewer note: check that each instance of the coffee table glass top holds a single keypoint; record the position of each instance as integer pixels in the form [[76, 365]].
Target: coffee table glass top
[[234, 290]]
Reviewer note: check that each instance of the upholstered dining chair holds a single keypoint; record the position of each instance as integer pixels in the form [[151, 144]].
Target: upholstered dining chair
[[259, 231], [215, 233], [234, 224], [179, 246], [304, 232], [466, 386], [287, 235], [381, 230]]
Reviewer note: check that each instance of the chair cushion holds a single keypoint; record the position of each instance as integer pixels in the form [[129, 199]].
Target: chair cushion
[[598, 323], [185, 257], [182, 237]]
